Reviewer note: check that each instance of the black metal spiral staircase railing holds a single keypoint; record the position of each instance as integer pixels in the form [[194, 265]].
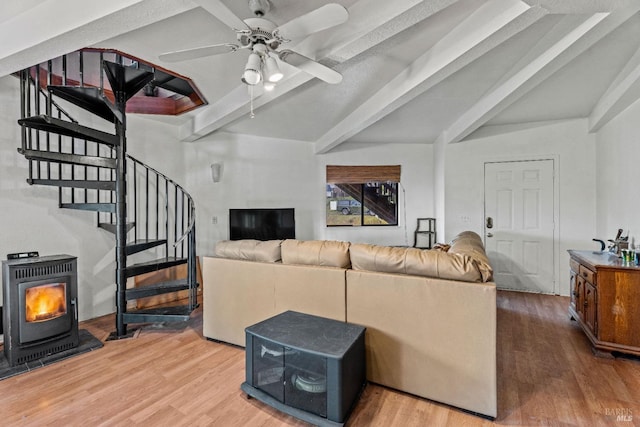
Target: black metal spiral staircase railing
[[93, 172]]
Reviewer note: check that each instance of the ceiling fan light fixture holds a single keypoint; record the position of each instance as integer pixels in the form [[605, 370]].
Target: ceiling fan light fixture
[[272, 71], [252, 75]]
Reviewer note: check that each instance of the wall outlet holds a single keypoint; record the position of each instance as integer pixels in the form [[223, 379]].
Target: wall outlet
[[214, 220]]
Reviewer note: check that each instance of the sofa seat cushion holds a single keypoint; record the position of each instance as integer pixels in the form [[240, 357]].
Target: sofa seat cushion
[[470, 243], [414, 261], [327, 253], [249, 250]]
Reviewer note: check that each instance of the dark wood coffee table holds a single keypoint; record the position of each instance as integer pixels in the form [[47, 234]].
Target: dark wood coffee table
[[307, 366]]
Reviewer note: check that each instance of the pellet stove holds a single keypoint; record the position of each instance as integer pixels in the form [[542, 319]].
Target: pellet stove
[[40, 314]]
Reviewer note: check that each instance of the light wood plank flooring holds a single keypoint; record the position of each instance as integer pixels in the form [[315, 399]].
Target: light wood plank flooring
[[547, 376]]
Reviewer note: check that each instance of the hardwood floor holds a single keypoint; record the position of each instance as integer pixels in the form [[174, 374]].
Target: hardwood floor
[[547, 376]]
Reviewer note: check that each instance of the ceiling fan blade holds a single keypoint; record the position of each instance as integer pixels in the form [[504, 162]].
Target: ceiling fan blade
[[198, 52], [324, 17], [310, 66], [222, 12]]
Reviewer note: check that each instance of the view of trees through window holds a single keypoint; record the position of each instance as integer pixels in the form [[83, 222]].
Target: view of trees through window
[[370, 203]]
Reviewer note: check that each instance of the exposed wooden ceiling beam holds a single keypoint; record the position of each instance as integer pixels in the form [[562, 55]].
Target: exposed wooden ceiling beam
[[362, 32], [623, 91], [593, 29], [491, 24], [575, 7]]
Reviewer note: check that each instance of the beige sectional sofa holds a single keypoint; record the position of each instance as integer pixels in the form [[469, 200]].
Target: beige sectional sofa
[[430, 315]]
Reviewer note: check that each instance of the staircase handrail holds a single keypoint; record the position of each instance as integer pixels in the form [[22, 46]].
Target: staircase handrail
[[45, 94], [192, 212], [178, 186]]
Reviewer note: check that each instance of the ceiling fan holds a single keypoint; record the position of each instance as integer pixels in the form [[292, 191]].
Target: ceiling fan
[[263, 38]]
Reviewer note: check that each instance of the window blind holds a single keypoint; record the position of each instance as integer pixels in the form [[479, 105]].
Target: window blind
[[362, 174]]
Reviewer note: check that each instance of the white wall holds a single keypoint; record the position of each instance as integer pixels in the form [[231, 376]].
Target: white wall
[[264, 172], [256, 173], [618, 175], [439, 188], [567, 142]]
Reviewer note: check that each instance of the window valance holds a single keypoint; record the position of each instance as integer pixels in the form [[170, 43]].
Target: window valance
[[362, 174]]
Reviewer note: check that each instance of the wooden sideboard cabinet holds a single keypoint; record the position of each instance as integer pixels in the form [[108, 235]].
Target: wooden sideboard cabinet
[[605, 301]]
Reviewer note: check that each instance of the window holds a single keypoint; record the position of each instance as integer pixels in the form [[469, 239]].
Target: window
[[362, 195]]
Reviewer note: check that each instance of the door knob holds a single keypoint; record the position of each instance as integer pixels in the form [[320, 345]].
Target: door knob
[[489, 234], [489, 222]]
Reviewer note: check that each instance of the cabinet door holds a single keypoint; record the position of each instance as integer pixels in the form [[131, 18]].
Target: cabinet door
[[306, 377], [579, 296], [573, 288], [590, 307], [268, 367]]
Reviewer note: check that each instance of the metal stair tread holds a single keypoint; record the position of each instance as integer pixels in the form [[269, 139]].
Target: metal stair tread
[[75, 183], [153, 265], [90, 99], [180, 313], [67, 128], [68, 158], [128, 80], [143, 244], [111, 228], [172, 83], [157, 289], [96, 207]]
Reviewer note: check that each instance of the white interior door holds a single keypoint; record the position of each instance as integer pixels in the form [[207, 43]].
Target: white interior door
[[519, 224]]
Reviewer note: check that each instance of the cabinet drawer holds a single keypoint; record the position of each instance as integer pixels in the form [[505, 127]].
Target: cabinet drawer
[[587, 274], [574, 265]]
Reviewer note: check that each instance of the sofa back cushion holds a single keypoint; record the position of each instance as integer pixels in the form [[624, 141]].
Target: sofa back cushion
[[470, 243], [249, 250], [415, 262], [326, 253]]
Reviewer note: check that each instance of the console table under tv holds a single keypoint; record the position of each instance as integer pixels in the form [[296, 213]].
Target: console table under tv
[[307, 366]]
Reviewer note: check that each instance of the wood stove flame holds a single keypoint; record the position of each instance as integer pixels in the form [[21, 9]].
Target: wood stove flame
[[45, 302]]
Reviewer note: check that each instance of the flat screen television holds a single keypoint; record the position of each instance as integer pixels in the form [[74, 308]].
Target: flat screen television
[[262, 224]]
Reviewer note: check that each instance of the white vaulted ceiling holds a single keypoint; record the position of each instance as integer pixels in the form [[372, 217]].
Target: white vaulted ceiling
[[413, 71]]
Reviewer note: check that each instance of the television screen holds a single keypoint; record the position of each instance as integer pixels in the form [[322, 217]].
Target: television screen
[[262, 224]]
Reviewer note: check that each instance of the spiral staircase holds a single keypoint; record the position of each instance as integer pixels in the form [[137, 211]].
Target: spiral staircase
[[149, 214]]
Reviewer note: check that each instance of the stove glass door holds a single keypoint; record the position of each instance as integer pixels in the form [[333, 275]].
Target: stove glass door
[[45, 302], [45, 309]]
